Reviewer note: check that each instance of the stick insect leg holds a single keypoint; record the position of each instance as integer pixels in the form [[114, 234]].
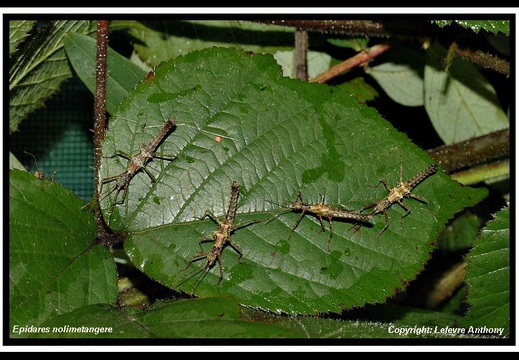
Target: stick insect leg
[[385, 226], [295, 226], [406, 208], [149, 174], [121, 154], [419, 198], [386, 185], [220, 269], [331, 234], [210, 215], [237, 249]]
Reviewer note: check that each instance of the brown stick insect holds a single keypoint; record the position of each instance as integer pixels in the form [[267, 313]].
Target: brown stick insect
[[398, 193], [222, 236], [137, 163], [320, 210]]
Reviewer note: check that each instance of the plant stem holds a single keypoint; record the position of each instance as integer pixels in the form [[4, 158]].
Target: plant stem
[[472, 152], [362, 27], [395, 29], [104, 235], [359, 59], [486, 172], [301, 51], [485, 60]]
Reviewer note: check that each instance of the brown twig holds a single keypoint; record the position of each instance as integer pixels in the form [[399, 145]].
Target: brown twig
[[301, 52], [485, 60], [104, 235], [407, 29], [359, 59], [473, 152]]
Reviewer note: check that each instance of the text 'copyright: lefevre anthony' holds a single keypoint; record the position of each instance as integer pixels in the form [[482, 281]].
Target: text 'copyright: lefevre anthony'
[[31, 329], [445, 330]]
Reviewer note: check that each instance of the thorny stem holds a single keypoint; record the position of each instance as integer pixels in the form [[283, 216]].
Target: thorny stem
[[361, 27], [472, 152], [397, 29], [104, 236], [359, 59], [485, 60]]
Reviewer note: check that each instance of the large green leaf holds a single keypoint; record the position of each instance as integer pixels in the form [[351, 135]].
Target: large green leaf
[[123, 74], [205, 318], [239, 119], [37, 70], [460, 102], [488, 277], [53, 265], [222, 318]]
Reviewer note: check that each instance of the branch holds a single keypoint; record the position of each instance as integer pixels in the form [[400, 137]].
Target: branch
[[485, 60], [359, 59], [301, 51], [410, 28], [104, 235], [473, 152]]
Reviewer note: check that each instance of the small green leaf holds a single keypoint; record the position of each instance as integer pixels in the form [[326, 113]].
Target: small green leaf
[[492, 26], [37, 70], [122, 76], [53, 265], [460, 102], [488, 276], [18, 31], [401, 76], [239, 119], [197, 318]]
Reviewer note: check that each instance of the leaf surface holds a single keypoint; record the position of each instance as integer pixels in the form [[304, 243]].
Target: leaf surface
[[53, 265], [461, 103], [488, 276], [37, 70], [239, 119]]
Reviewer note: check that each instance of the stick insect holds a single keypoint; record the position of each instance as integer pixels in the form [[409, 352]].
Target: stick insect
[[40, 175], [221, 237], [137, 163], [398, 193], [320, 210]]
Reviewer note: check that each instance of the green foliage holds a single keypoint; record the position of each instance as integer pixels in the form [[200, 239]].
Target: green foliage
[[492, 26], [488, 276], [18, 31], [123, 75], [204, 318], [37, 70], [268, 150], [239, 119], [54, 265], [401, 76], [160, 41], [460, 101]]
